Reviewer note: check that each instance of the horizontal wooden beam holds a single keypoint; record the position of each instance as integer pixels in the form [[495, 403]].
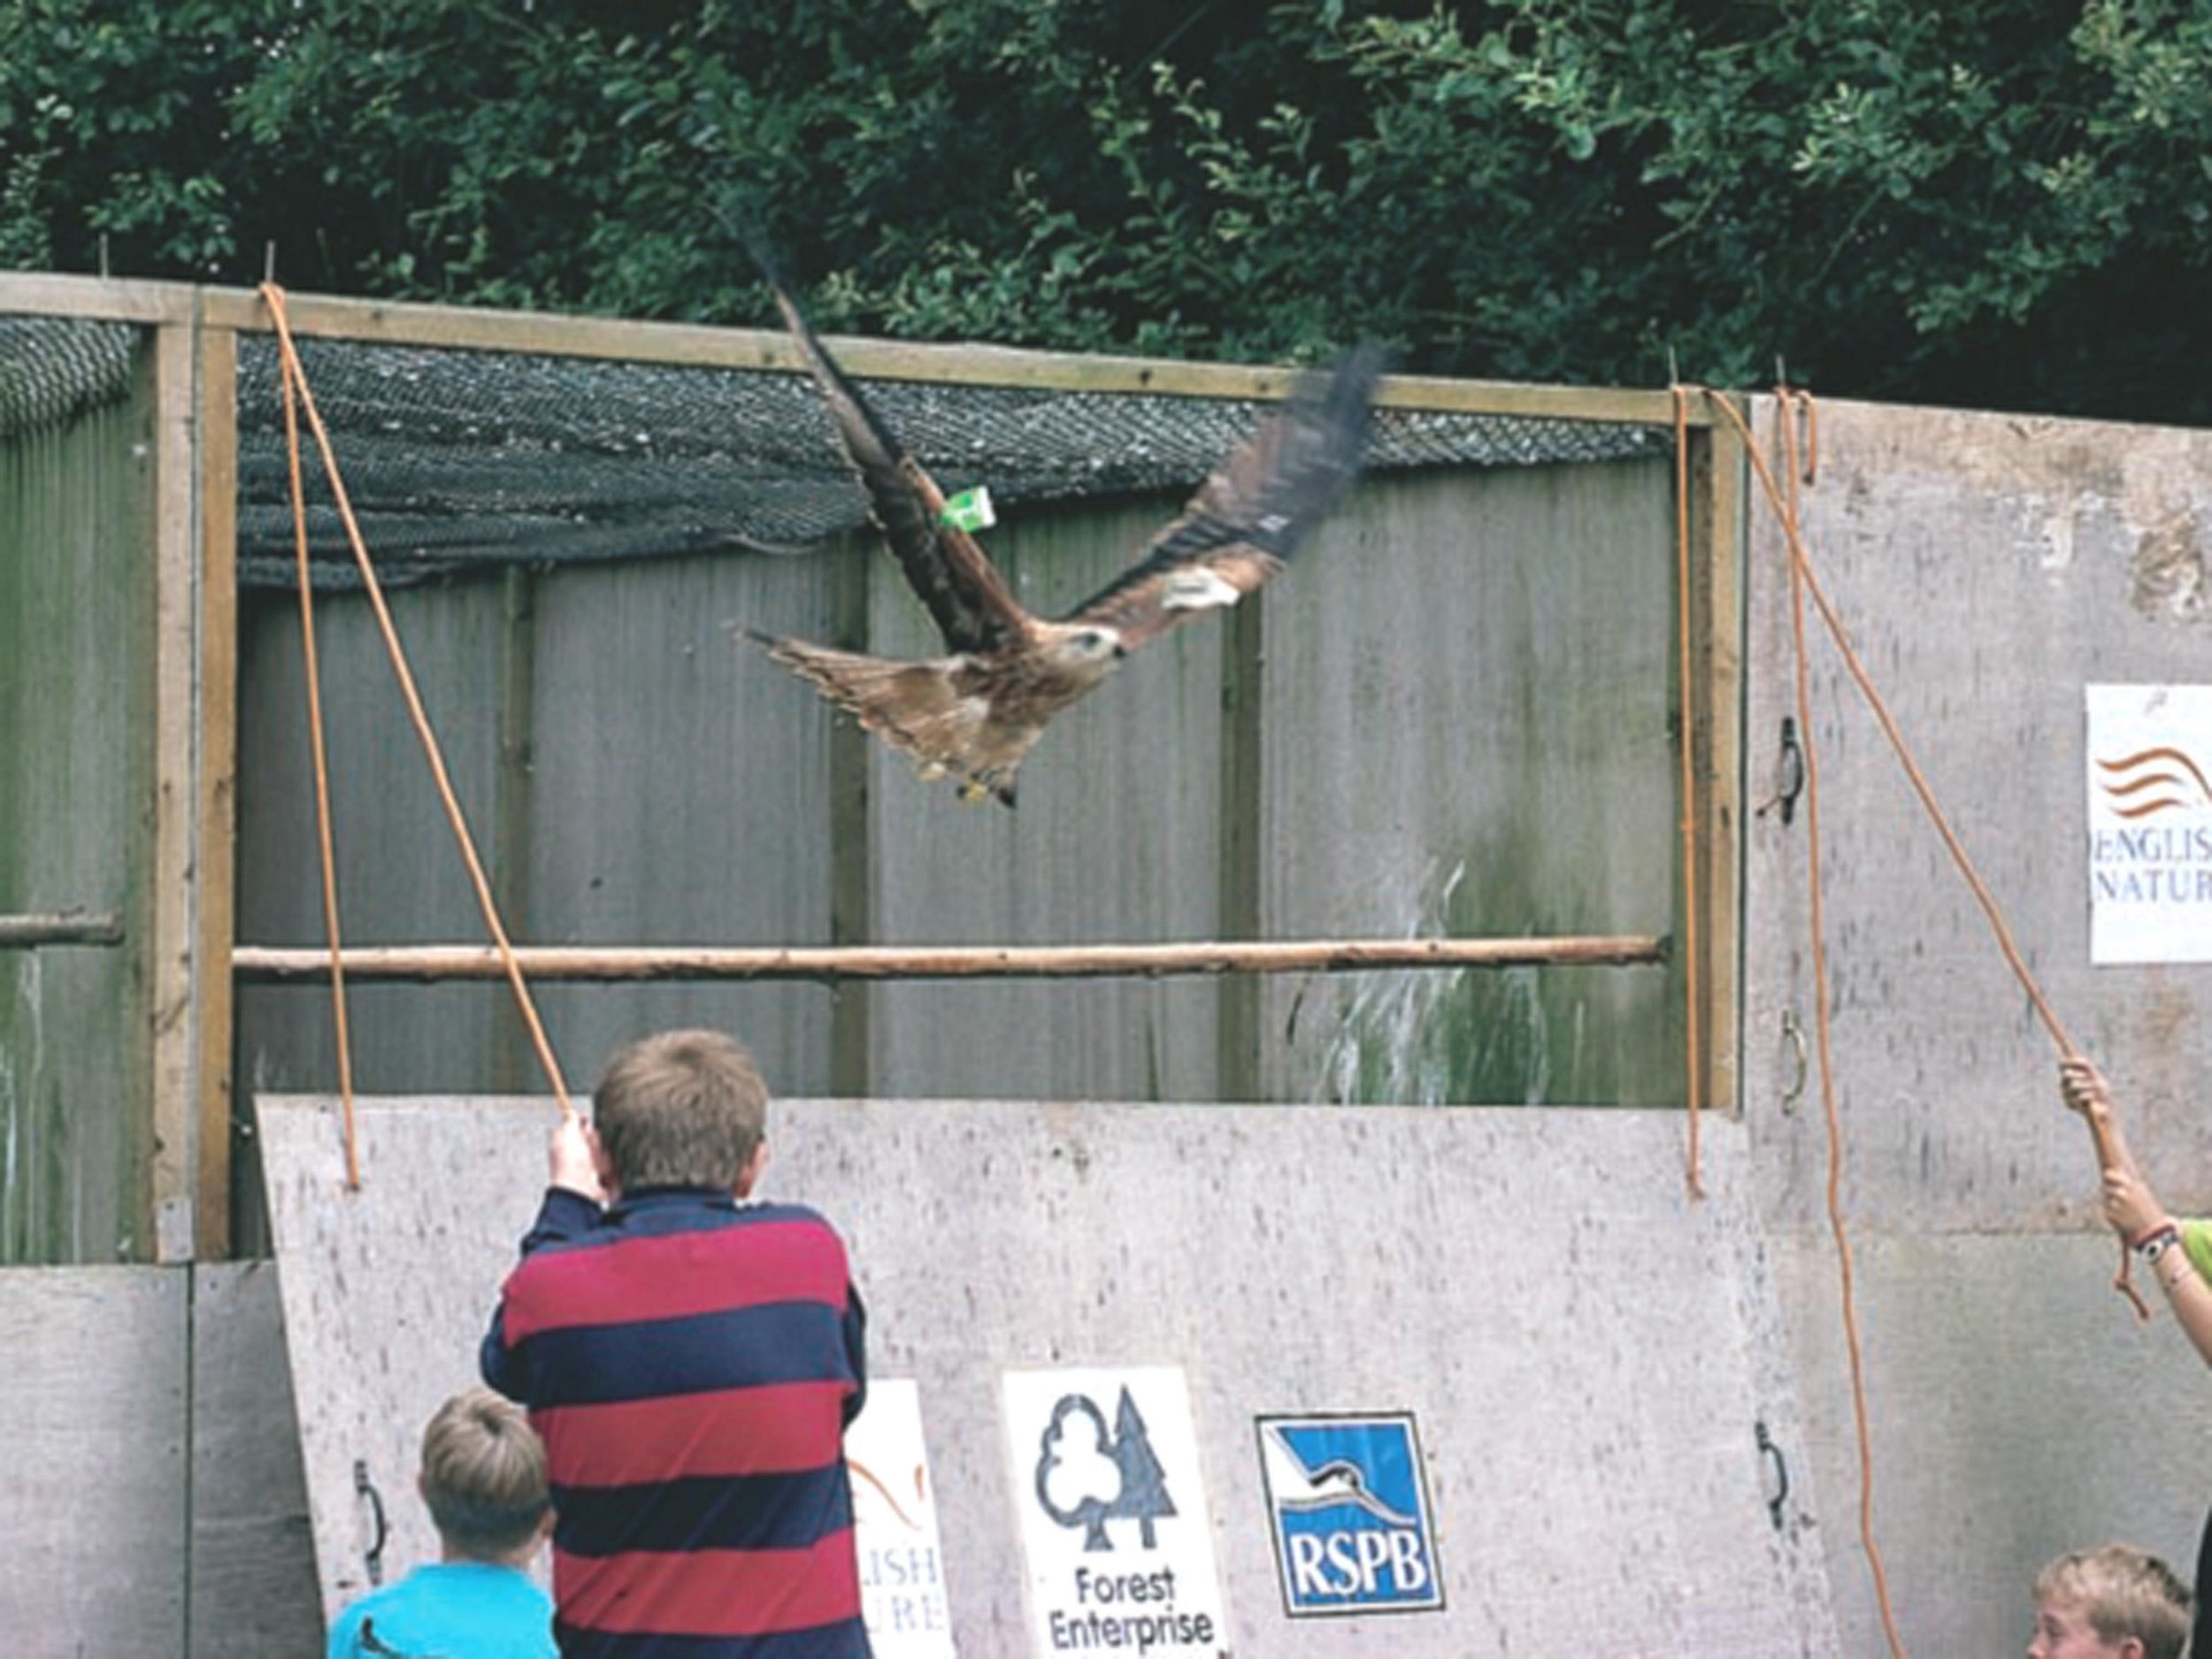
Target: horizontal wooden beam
[[429, 963], [553, 335], [61, 927], [99, 299]]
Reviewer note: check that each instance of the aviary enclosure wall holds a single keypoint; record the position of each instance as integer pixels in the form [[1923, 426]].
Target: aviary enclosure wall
[[1457, 716], [1457, 720], [1989, 565], [1463, 725], [1453, 718]]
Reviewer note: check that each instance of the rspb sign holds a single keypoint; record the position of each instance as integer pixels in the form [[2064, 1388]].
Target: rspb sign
[[1114, 1529], [1349, 1504]]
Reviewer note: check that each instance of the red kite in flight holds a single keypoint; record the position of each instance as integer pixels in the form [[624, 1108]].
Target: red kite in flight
[[975, 712]]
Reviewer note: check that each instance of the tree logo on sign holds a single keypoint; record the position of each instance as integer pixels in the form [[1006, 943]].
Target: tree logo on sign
[[1088, 1475]]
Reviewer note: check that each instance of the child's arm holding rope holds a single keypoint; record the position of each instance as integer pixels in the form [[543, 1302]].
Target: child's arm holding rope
[[573, 1161], [2132, 1209]]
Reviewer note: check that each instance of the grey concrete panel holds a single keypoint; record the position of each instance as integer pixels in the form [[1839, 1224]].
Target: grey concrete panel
[[129, 1529], [252, 1557], [94, 1510], [1587, 1352], [1986, 567], [2018, 1411]]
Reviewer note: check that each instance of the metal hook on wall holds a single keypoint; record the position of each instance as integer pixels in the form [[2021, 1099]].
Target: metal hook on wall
[[1781, 1472], [1789, 779], [363, 1486], [1794, 1033]]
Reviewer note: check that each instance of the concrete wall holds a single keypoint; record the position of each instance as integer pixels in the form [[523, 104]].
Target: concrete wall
[[154, 1503], [1986, 566], [1591, 1356]]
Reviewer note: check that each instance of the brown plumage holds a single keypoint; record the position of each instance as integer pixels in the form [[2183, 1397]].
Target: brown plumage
[[975, 712]]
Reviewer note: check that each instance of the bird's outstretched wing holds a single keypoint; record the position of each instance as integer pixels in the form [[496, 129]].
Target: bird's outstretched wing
[[1251, 515], [965, 596]]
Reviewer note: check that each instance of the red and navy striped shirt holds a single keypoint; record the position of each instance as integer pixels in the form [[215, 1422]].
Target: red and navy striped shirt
[[691, 1363]]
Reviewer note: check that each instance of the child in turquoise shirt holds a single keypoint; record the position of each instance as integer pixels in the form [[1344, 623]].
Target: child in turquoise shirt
[[483, 1477]]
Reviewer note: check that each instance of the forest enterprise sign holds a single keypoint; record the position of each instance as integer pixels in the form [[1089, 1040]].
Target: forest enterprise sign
[[2150, 823], [1114, 1527]]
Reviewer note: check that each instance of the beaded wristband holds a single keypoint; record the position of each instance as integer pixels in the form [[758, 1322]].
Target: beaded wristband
[[2156, 1240]]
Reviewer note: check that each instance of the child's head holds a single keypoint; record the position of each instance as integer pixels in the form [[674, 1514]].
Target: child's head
[[483, 1476], [681, 1109], [2117, 1602]]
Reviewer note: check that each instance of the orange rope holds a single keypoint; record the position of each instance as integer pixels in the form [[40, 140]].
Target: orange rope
[[1800, 564], [1689, 775], [273, 296], [322, 792], [1792, 406], [1853, 1346]]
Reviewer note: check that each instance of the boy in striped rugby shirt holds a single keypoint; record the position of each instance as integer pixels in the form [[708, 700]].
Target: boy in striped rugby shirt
[[691, 1357]]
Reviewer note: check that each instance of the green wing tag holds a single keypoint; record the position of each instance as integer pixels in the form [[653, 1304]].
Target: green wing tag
[[969, 510]]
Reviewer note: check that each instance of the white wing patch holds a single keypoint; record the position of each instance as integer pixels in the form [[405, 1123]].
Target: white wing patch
[[1198, 589]]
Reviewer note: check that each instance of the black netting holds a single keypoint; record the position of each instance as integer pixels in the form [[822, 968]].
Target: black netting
[[455, 459], [54, 368]]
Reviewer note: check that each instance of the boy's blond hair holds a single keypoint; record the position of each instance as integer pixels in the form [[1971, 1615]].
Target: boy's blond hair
[[2122, 1592], [483, 1475], [681, 1109]]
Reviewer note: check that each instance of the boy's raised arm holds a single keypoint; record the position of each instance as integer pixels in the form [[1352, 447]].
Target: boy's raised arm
[[571, 1209]]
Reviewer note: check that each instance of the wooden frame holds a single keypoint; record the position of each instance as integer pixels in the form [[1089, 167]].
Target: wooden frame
[[1719, 469], [172, 953], [218, 782], [392, 323], [197, 332]]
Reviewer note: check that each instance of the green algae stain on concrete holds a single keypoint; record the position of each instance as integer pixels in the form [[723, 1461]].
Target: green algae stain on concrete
[[1507, 1036]]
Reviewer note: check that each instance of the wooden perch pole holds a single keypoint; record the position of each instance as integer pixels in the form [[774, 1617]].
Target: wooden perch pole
[[428, 963], [61, 927]]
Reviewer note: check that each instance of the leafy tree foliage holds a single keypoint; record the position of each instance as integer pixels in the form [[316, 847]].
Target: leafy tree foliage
[[1985, 202]]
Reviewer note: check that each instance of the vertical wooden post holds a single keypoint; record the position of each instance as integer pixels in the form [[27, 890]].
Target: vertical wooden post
[[1717, 466], [514, 1063], [851, 834], [215, 856], [174, 1153], [1237, 1074]]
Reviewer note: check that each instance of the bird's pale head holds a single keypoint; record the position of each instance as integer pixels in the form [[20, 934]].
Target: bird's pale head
[[1086, 649]]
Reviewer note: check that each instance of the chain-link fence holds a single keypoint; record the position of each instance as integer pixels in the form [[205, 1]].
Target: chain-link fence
[[52, 369]]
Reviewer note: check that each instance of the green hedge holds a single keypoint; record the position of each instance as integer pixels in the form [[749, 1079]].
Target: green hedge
[[1991, 202]]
